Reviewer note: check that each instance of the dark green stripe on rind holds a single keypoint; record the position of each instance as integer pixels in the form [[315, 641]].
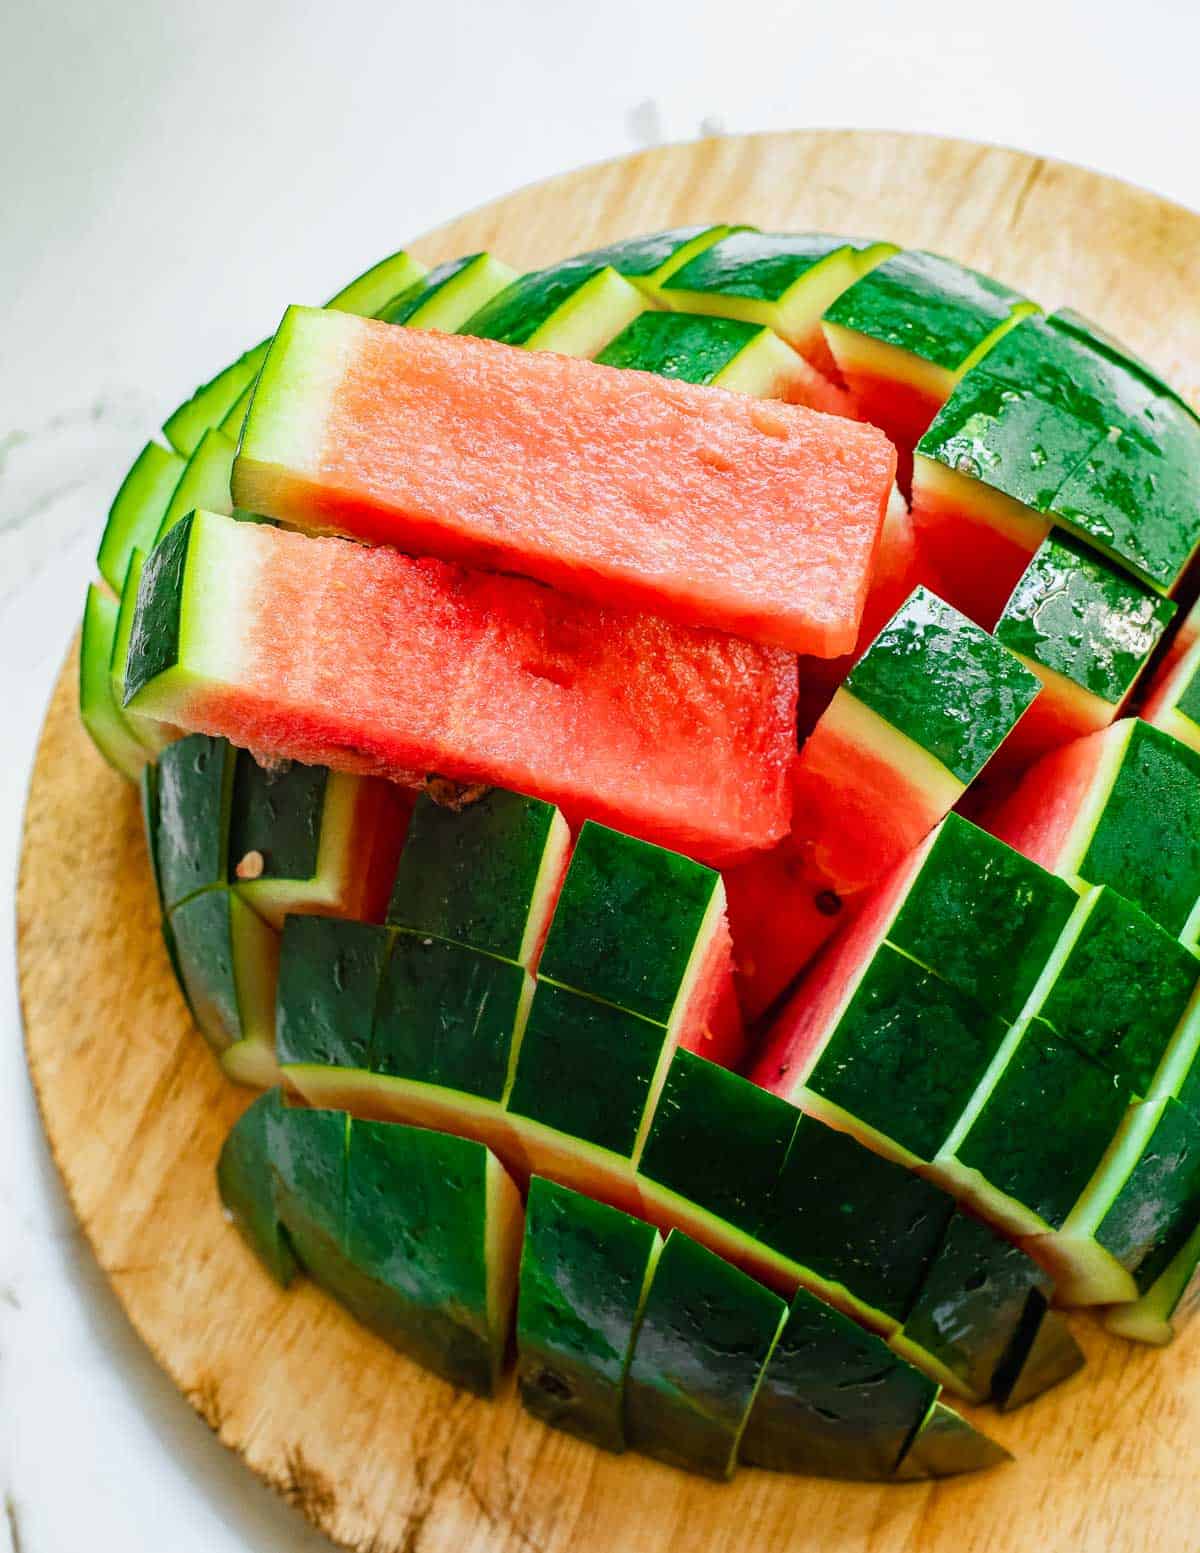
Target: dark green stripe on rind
[[761, 266], [195, 783], [401, 309], [1033, 1367], [971, 1309], [586, 1069], [137, 510], [277, 811], [520, 310], [1121, 990], [943, 682], [1045, 1125], [330, 972], [247, 1190], [926, 305], [706, 1334], [584, 1272], [203, 930], [834, 1400], [1154, 1212], [856, 1219], [1146, 843], [307, 1150], [448, 1015], [719, 1141], [655, 255], [906, 1055], [982, 917], [1067, 319], [691, 347], [1074, 613], [154, 641], [627, 922], [471, 876]]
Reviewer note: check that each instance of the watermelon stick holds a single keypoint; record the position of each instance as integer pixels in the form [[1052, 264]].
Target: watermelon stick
[[704, 507], [370, 661]]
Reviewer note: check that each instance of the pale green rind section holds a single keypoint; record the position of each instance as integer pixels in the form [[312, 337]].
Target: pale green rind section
[[101, 714], [593, 316], [152, 735], [1167, 1305], [448, 306], [137, 510], [204, 482]]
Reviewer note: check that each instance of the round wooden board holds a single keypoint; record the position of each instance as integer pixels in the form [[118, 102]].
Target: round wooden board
[[379, 1454]]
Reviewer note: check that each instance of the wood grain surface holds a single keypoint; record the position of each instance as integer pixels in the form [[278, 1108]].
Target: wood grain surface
[[379, 1454]]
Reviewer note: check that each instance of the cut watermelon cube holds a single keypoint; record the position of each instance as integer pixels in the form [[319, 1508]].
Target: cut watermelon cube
[[706, 1334], [858, 1229], [449, 294], [1049, 430], [488, 876], [1087, 631], [574, 308], [585, 1270], [644, 929], [834, 1401], [587, 1081], [1119, 807], [714, 1152], [137, 511], [369, 661], [307, 839], [723, 353], [1167, 1305], [228, 961], [878, 1046], [703, 506], [194, 792], [918, 717], [785, 280], [904, 334], [445, 1298], [247, 1191], [330, 972], [979, 1311]]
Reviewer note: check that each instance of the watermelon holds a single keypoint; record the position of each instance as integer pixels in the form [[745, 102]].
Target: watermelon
[[946, 1445], [406, 666], [904, 334], [1087, 631], [487, 876], [246, 1189], [585, 1270], [1046, 431], [704, 507], [651, 260], [449, 294], [574, 308], [1168, 1304], [916, 720], [227, 959], [705, 1336], [723, 353], [785, 280], [1118, 807], [1172, 700]]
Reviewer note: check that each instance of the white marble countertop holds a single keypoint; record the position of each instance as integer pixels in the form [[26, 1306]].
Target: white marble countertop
[[171, 175]]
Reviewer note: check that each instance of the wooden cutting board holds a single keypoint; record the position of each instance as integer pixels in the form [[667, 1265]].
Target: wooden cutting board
[[379, 1454]]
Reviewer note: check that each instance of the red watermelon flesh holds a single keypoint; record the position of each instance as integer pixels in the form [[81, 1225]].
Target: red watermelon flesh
[[712, 1024], [798, 1035], [1040, 817], [780, 915], [704, 506], [367, 660]]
